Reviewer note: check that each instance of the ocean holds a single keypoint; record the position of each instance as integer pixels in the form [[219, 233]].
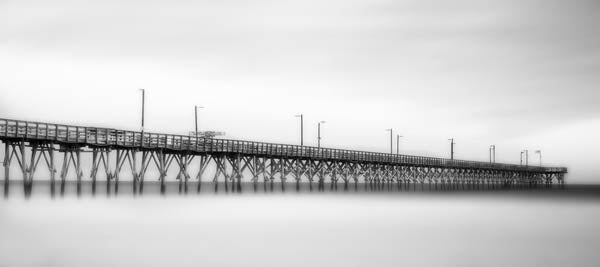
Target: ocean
[[419, 227]]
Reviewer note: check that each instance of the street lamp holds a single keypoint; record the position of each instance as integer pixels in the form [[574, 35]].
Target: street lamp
[[319, 134], [522, 152], [391, 140], [301, 116], [493, 154], [196, 122], [526, 151], [398, 144], [451, 148], [143, 103], [540, 153]]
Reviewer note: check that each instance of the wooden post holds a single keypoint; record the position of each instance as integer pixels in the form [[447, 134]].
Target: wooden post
[[255, 169], [183, 160], [163, 174], [238, 172], [7, 159], [226, 177], [272, 174], [108, 171], [216, 177], [321, 185], [64, 170], [134, 171], [146, 158], [165, 163], [142, 173], [24, 167], [297, 174], [51, 168], [186, 176], [200, 170], [30, 169], [311, 174], [204, 161], [117, 170], [179, 159], [161, 159], [94, 169], [266, 172], [78, 169]]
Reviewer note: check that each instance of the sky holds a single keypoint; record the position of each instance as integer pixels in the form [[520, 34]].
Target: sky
[[516, 74]]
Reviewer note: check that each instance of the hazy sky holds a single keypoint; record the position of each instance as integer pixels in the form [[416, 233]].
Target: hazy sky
[[518, 74]]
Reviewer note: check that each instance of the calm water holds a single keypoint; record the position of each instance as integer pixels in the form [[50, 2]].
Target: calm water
[[390, 228], [41, 189]]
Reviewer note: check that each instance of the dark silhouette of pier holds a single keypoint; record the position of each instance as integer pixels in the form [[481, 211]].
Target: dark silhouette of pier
[[29, 144]]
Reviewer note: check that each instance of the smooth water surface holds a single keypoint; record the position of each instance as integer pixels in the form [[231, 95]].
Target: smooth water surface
[[554, 228]]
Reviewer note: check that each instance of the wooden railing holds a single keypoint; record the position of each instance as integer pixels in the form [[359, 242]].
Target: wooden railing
[[94, 136]]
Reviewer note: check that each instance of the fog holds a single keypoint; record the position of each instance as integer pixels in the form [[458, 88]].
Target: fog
[[517, 74], [299, 230]]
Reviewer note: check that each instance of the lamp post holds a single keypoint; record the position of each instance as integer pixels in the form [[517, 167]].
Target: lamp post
[[540, 153], [526, 151], [301, 116], [319, 134], [391, 140], [143, 111], [196, 122], [522, 152], [398, 144], [451, 148], [493, 154]]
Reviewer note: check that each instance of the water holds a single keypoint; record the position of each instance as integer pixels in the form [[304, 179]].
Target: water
[[391, 228], [42, 188]]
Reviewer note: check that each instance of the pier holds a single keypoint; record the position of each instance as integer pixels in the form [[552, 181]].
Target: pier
[[59, 148]]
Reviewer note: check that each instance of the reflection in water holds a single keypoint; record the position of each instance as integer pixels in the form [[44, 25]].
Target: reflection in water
[[70, 188], [114, 186], [335, 228], [265, 225]]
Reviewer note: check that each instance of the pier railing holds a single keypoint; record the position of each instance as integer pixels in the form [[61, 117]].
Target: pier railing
[[96, 136]]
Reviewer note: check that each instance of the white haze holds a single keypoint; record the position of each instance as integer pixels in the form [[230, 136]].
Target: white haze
[[517, 74], [290, 230]]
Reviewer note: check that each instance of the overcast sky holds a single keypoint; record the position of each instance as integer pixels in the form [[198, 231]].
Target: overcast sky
[[518, 74]]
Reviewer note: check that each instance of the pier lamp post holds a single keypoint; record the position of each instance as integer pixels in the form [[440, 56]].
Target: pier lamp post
[[526, 151], [319, 134], [301, 116], [143, 104], [196, 123], [522, 152], [540, 153], [451, 148], [391, 140], [398, 144]]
